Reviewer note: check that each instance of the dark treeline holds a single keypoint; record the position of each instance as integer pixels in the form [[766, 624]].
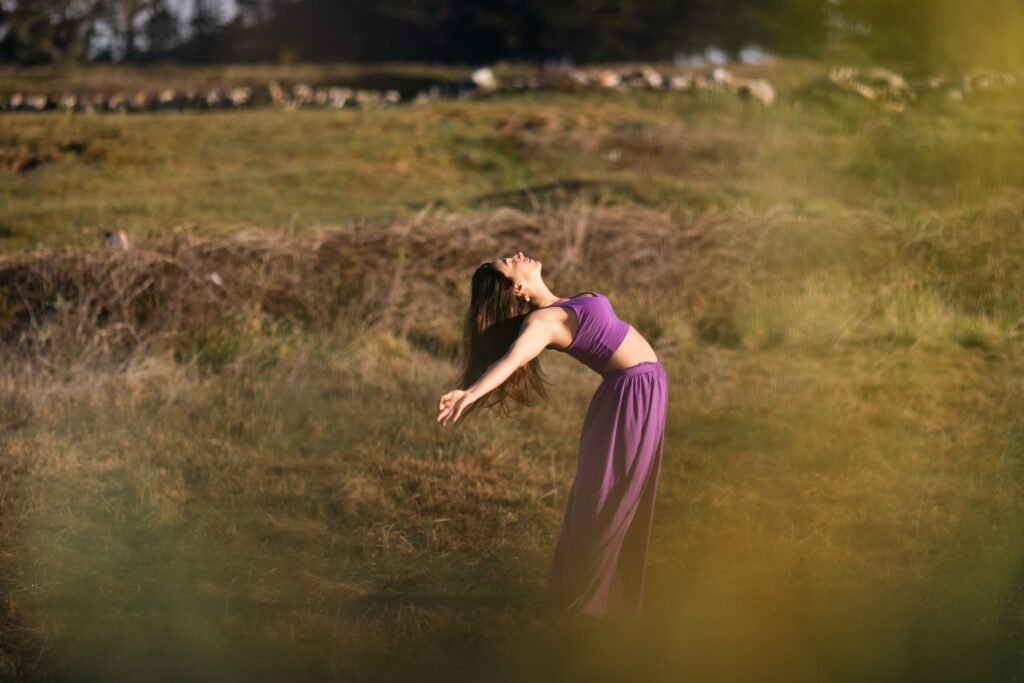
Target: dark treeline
[[532, 30], [926, 32]]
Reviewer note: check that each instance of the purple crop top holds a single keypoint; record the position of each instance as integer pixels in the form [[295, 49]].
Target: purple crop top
[[599, 333]]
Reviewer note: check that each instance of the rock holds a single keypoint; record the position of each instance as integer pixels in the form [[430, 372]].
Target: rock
[[883, 86], [140, 101], [865, 91], [214, 98], [303, 94], [758, 89], [167, 98], [680, 82], [633, 79], [609, 79], [117, 102], [720, 76], [848, 78], [37, 102], [366, 98], [652, 78], [889, 80], [337, 97], [842, 74], [239, 97], [484, 79]]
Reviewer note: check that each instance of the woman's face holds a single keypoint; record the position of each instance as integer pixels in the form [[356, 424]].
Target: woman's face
[[519, 267]]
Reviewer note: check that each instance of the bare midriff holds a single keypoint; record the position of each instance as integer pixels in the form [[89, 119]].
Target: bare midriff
[[634, 349]]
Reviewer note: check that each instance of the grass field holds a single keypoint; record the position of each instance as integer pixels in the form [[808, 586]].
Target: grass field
[[245, 482]]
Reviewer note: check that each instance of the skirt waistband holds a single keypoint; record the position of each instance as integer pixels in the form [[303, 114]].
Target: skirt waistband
[[643, 368]]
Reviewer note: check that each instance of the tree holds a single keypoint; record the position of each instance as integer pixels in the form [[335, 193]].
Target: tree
[[40, 31], [162, 29]]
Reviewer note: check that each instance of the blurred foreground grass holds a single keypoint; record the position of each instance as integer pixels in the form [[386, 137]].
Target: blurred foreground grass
[[297, 515], [835, 292]]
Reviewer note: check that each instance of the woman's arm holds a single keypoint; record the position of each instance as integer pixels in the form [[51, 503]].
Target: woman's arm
[[535, 335]]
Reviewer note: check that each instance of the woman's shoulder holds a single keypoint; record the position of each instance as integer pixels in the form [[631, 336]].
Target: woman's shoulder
[[568, 301], [555, 312]]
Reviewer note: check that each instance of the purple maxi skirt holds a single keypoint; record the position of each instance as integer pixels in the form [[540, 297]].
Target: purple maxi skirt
[[599, 562]]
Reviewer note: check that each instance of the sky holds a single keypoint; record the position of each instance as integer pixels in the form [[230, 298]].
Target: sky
[[183, 8]]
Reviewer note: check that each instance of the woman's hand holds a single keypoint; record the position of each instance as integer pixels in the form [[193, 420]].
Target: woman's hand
[[452, 404]]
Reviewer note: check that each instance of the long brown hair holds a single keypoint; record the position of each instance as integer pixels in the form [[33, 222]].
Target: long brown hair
[[492, 324]]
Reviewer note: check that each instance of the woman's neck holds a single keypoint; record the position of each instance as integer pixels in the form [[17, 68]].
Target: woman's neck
[[540, 295], [545, 298]]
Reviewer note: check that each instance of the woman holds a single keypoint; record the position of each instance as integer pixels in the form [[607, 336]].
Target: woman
[[598, 565]]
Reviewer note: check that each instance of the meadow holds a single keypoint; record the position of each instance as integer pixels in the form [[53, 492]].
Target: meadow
[[218, 454]]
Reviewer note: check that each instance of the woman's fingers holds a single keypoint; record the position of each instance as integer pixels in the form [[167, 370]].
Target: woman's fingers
[[459, 406], [447, 400], [450, 406], [446, 416]]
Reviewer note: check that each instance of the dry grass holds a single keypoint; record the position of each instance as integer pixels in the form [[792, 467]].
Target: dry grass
[[407, 276], [194, 294], [841, 476]]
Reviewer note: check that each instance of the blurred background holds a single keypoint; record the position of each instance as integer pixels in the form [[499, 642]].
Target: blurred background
[[236, 240], [937, 33]]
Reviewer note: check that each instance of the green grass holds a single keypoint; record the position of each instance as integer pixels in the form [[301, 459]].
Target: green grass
[[145, 172]]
